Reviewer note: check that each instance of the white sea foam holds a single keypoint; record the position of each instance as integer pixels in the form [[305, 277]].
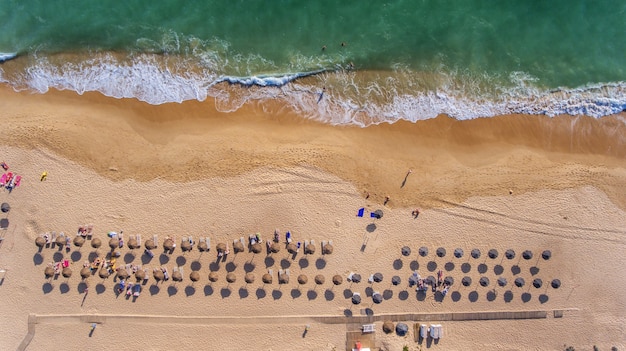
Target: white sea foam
[[357, 98], [5, 56]]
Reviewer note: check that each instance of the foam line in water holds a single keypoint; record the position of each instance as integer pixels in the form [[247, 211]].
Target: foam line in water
[[4, 56], [269, 80]]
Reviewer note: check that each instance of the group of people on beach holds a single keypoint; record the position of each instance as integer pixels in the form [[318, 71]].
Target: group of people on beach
[[9, 180]]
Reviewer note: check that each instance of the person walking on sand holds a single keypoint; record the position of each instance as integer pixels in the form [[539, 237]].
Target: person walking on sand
[[415, 213], [386, 200], [44, 175]]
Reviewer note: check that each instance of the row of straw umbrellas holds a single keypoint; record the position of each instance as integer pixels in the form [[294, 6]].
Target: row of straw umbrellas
[[169, 245], [476, 253]]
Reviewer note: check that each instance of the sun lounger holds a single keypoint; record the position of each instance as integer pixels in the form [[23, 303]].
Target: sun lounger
[[423, 331], [330, 242], [47, 237], [136, 290], [433, 331], [3, 179], [323, 244], [368, 328], [306, 243], [166, 273], [155, 239], [440, 328], [208, 243], [181, 270], [138, 238], [349, 275], [312, 242], [242, 242], [360, 212], [287, 272], [252, 239], [371, 278], [89, 231], [288, 237], [270, 272], [191, 241]]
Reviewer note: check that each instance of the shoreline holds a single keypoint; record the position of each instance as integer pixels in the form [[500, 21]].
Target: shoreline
[[451, 160]]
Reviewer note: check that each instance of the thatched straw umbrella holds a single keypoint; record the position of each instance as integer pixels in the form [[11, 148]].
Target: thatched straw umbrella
[[320, 279], [194, 276], [177, 276], [116, 253], [85, 272], [388, 327], [202, 246], [96, 243], [256, 248], [237, 246], [275, 247], [185, 245], [168, 244], [150, 244], [104, 273], [48, 272], [310, 249], [292, 248], [231, 277], [327, 249], [249, 278], [221, 247], [213, 276], [66, 272], [79, 241], [133, 244], [158, 274], [122, 273], [60, 240], [303, 279], [114, 243], [140, 275], [337, 279], [40, 242], [283, 278], [267, 278]]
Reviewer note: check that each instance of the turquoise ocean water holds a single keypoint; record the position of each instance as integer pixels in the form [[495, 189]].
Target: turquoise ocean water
[[383, 60]]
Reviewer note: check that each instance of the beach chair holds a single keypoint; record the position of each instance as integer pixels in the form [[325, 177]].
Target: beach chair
[[323, 244], [287, 272], [48, 238], [306, 244], [360, 212], [270, 272], [433, 331], [423, 331], [368, 328], [242, 242], [330, 242], [371, 279], [53, 238], [136, 290], [349, 275], [183, 239], [312, 242], [155, 239], [191, 241], [139, 240], [166, 273], [89, 231], [288, 237], [208, 243], [181, 270]]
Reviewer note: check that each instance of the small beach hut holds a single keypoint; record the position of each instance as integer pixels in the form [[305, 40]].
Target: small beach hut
[[537, 283], [66, 272], [406, 251], [484, 281], [519, 282], [237, 246], [475, 253], [79, 241], [213, 277], [48, 272], [256, 248], [275, 247], [493, 254], [388, 327], [466, 281], [303, 279], [555, 283], [395, 280], [40, 242], [114, 243], [104, 273], [441, 252], [423, 251], [327, 249], [231, 277], [546, 254], [194, 276], [502, 281], [267, 278], [458, 252], [319, 279], [527, 254], [96, 243], [249, 278], [509, 254], [85, 272], [292, 248], [337, 279]]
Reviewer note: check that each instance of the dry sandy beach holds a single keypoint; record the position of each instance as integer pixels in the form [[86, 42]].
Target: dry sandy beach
[[511, 182]]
